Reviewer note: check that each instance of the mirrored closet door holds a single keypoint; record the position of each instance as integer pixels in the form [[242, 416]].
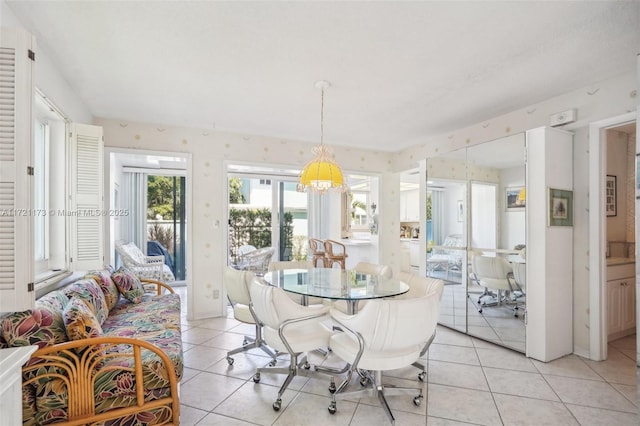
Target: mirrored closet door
[[476, 201]]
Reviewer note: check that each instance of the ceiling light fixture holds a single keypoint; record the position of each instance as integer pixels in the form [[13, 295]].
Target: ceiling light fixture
[[322, 172]]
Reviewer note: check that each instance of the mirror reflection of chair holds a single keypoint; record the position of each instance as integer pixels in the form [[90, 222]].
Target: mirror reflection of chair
[[519, 277], [237, 284], [291, 328], [143, 266], [316, 247], [492, 273], [387, 334], [335, 252], [448, 256]]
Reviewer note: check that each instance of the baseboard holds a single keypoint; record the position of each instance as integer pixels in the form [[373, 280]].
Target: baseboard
[[584, 353]]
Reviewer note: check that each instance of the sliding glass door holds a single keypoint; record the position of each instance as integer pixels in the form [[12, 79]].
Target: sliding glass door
[[267, 211]]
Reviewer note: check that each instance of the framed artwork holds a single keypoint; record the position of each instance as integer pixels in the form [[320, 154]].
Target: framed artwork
[[610, 196], [460, 211], [515, 198], [560, 207]]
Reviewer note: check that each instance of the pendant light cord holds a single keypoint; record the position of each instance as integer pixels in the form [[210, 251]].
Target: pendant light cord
[[322, 117]]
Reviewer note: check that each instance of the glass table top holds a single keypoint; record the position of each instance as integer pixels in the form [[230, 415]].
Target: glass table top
[[337, 284]]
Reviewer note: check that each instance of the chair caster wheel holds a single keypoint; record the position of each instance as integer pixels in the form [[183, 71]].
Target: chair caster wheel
[[230, 360], [276, 405], [306, 366], [256, 378], [245, 343], [421, 376], [480, 310], [332, 408], [272, 363], [417, 401], [332, 388], [364, 381]]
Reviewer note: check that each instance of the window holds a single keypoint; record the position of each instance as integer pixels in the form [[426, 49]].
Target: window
[[49, 190], [41, 194], [359, 210], [265, 181]]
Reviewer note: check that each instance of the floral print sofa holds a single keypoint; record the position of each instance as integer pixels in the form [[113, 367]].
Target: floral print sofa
[[110, 352]]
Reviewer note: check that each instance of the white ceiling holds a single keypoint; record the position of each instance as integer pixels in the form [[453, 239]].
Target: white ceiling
[[400, 71]]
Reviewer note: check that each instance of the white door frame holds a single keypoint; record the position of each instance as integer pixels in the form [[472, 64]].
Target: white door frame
[[597, 233], [188, 207]]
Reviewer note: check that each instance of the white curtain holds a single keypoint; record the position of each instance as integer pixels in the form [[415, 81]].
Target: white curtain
[[135, 201], [437, 215]]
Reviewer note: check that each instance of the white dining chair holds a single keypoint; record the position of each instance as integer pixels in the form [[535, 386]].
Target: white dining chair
[[387, 334], [291, 328], [237, 285]]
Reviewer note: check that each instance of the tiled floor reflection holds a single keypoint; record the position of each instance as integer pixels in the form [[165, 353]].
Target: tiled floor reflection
[[470, 381]]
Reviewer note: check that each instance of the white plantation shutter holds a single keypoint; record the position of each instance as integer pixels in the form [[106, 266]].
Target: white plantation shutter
[[86, 211], [16, 140]]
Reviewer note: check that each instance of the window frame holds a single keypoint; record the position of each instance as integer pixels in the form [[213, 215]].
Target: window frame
[[56, 262]]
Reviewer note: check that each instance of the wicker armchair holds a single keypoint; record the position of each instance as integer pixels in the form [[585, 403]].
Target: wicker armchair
[[152, 267], [256, 261]]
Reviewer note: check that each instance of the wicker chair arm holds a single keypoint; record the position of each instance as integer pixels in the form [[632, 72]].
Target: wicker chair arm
[[79, 369], [155, 286]]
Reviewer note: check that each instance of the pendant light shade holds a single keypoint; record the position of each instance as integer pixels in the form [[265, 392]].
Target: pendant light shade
[[322, 172]]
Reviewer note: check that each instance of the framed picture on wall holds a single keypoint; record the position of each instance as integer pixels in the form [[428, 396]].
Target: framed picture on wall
[[515, 198], [611, 202], [560, 207]]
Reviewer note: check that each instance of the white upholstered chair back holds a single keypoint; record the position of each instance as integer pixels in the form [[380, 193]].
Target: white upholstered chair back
[[237, 284], [374, 269], [395, 325], [519, 274], [273, 307], [491, 271], [420, 286]]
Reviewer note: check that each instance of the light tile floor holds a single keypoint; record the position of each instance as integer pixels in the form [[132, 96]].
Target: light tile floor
[[469, 381]]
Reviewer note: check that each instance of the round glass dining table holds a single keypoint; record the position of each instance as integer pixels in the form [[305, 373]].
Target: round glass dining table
[[336, 284]]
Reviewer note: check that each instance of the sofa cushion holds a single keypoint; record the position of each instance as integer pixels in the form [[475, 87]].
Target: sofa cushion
[[42, 326], [90, 292], [80, 321], [155, 320], [128, 284], [103, 278]]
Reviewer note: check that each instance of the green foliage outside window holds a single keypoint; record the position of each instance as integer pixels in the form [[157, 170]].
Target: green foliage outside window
[[253, 227], [160, 197], [235, 196]]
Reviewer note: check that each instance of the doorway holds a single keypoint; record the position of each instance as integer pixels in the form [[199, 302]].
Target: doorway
[[605, 204], [154, 189]]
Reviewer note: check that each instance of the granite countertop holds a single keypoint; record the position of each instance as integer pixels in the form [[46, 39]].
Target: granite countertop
[[614, 261]]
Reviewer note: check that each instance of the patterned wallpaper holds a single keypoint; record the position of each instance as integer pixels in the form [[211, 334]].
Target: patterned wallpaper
[[209, 151]]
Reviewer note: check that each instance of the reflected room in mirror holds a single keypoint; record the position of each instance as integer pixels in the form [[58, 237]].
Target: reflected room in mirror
[[477, 202]]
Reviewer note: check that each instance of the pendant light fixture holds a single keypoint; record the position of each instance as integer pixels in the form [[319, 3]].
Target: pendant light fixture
[[322, 172]]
